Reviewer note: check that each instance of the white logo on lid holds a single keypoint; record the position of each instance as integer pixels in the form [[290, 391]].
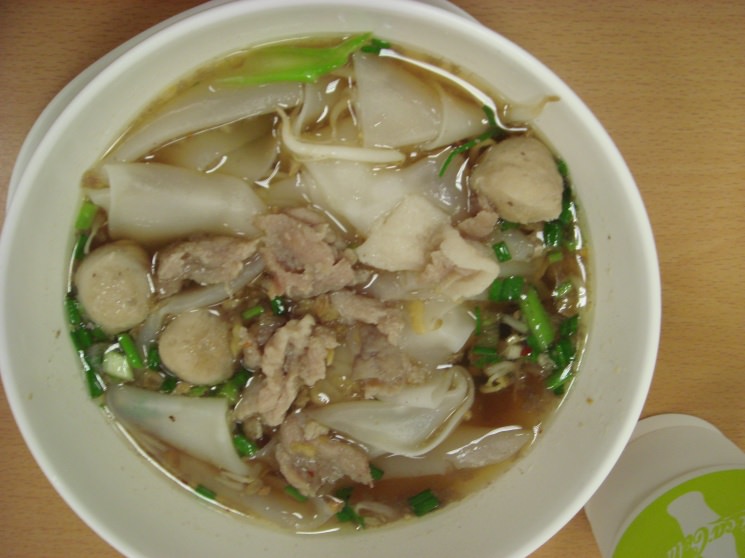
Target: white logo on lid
[[706, 533]]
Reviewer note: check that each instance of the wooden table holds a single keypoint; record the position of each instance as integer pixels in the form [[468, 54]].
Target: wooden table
[[667, 79]]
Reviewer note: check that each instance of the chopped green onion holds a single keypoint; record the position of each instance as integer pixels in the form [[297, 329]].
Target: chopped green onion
[[344, 493], [375, 46], [127, 345], [563, 168], [205, 492], [294, 493], [502, 251], [153, 357], [507, 225], [569, 326], [487, 355], [85, 217], [99, 335], [348, 514], [82, 338], [507, 289], [556, 381], [277, 63], [169, 384], [78, 251], [197, 391], [244, 446], [494, 131], [117, 365], [552, 233], [562, 353], [563, 288], [567, 208], [251, 313], [232, 389], [279, 306], [478, 327], [92, 381], [72, 309], [535, 315], [555, 257], [424, 503], [376, 472]]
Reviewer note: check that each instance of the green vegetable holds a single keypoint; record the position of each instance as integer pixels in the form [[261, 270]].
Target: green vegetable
[[169, 384], [507, 225], [117, 365], [82, 338], [502, 251], [507, 289], [558, 380], [244, 446], [205, 492], [294, 493], [494, 131], [276, 63], [279, 306], [95, 386], [424, 503], [552, 234], [555, 257], [127, 345], [481, 356], [562, 353], [251, 313], [86, 215], [78, 251], [153, 357], [375, 46], [563, 288], [537, 318], [72, 310], [232, 389], [347, 513], [569, 326], [479, 321], [376, 473], [563, 168]]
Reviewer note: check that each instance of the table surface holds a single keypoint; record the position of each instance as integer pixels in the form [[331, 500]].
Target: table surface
[[666, 79]]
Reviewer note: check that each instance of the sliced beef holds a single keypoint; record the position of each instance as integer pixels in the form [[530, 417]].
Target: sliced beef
[[208, 260], [381, 367], [313, 461], [303, 257], [353, 307], [296, 355]]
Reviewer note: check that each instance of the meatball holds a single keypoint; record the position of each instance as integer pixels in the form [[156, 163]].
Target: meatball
[[114, 286], [518, 177], [196, 347]]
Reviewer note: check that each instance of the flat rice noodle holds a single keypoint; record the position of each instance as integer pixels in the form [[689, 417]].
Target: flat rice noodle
[[245, 149], [360, 194], [153, 203], [435, 330], [460, 120], [394, 107], [197, 426], [204, 108], [412, 422], [467, 447]]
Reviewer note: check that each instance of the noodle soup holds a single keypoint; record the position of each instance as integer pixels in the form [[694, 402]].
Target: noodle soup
[[329, 283]]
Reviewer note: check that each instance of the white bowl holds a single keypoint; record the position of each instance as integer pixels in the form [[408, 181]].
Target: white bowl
[[128, 502]]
